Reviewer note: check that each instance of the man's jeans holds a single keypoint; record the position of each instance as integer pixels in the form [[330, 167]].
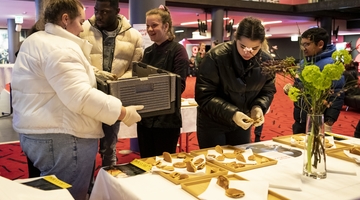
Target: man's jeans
[[69, 158], [108, 144]]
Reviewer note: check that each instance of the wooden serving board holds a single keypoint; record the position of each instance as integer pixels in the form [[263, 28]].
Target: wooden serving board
[[300, 144], [196, 188], [211, 170], [339, 153], [238, 169]]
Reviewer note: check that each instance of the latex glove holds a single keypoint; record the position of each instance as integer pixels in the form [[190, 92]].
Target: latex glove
[[287, 88], [257, 115], [242, 120], [132, 116], [104, 75]]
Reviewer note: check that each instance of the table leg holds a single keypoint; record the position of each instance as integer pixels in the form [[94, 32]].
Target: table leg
[[187, 142]]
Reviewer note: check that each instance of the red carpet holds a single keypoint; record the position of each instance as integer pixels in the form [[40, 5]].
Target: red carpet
[[277, 123]]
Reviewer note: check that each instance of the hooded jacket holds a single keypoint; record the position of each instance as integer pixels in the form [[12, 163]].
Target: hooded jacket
[[54, 87], [227, 83], [128, 46], [320, 60]]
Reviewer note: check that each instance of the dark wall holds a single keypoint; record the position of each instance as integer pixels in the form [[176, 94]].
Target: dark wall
[[286, 47]]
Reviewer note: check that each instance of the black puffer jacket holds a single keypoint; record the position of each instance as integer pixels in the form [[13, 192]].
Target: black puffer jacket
[[227, 83]]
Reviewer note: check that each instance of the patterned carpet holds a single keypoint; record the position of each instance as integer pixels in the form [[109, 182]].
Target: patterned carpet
[[277, 123]]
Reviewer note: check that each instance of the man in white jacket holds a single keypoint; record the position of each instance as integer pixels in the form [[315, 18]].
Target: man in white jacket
[[57, 109], [115, 45]]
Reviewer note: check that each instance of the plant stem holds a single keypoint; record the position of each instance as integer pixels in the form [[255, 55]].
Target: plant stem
[[309, 148]]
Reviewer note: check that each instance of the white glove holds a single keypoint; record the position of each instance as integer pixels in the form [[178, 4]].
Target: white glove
[[287, 87], [257, 115], [242, 120], [104, 75], [131, 116]]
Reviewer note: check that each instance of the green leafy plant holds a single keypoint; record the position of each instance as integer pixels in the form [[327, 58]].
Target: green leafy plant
[[314, 89]]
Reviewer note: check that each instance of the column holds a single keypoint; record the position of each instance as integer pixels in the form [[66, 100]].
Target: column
[[39, 7], [138, 9], [326, 23], [13, 40], [217, 24], [137, 14]]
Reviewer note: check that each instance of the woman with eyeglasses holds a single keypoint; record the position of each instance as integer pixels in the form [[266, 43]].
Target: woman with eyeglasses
[[232, 92]]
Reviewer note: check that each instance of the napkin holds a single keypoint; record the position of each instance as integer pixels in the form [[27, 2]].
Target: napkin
[[246, 154], [215, 192]]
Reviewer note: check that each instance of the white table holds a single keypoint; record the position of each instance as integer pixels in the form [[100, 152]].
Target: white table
[[5, 78], [152, 186]]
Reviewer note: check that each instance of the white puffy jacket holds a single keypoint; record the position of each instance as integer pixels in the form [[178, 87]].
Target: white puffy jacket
[[54, 87], [128, 46]]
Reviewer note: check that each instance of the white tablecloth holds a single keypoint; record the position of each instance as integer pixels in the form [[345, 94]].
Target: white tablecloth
[[288, 172], [5, 75]]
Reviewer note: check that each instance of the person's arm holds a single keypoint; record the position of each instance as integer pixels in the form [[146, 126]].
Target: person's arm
[[266, 95], [137, 54], [181, 64], [65, 71]]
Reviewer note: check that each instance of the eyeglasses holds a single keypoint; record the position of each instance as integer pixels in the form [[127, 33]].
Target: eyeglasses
[[305, 44]]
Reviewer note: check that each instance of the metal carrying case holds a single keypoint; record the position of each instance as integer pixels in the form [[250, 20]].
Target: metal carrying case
[[158, 90]]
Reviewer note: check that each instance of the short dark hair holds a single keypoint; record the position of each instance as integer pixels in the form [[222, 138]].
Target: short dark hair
[[251, 28], [316, 35], [113, 3], [56, 8]]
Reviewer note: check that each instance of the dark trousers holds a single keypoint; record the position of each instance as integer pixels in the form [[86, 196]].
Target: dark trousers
[[33, 171], [108, 144], [298, 127], [155, 141], [210, 134], [257, 132]]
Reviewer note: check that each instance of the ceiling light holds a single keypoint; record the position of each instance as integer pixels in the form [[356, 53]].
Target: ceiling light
[[268, 35], [271, 22], [179, 31], [195, 22]]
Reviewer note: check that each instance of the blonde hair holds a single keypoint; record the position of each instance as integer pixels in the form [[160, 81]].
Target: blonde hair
[[265, 47], [164, 13]]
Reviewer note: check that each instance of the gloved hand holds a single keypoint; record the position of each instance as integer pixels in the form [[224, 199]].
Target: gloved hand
[[242, 120], [287, 87], [104, 75], [257, 115], [131, 116]]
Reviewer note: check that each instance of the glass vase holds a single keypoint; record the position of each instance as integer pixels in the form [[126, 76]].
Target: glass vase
[[314, 150]]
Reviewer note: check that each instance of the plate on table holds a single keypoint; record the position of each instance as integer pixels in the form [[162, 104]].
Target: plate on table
[[198, 187], [298, 140], [340, 153], [233, 163], [174, 172]]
